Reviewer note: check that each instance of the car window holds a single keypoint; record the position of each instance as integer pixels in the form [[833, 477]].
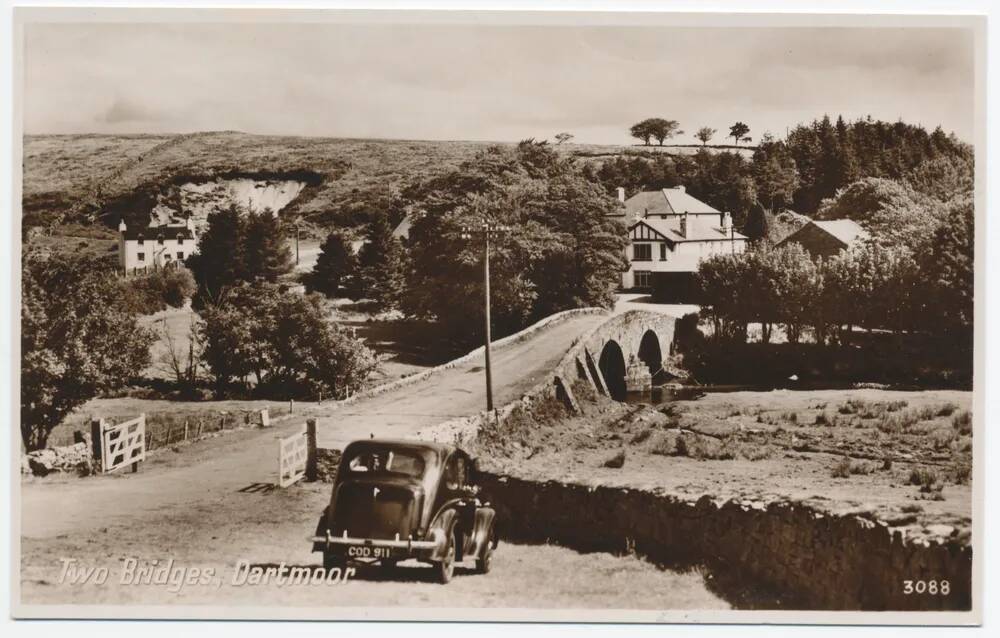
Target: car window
[[387, 462]]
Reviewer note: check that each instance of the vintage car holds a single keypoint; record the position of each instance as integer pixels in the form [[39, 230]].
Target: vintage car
[[394, 500]]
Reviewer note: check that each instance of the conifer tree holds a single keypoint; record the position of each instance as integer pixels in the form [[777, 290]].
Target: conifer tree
[[381, 264], [336, 266]]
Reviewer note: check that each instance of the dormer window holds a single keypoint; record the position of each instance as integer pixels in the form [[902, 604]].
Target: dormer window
[[159, 240], [180, 240], [141, 240]]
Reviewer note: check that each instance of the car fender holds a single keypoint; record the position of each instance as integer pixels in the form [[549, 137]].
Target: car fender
[[442, 526], [321, 530], [483, 534]]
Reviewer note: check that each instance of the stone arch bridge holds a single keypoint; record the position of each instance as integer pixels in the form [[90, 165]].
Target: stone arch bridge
[[624, 353]]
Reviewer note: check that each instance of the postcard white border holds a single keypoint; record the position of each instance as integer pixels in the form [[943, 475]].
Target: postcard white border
[[260, 13]]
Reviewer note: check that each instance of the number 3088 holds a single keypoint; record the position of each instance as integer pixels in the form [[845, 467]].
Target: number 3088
[[932, 587]]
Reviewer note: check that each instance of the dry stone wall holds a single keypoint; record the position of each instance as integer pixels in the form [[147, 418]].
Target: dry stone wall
[[814, 559]]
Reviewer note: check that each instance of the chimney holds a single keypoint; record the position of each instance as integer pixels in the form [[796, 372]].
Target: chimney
[[122, 227], [621, 194], [727, 222], [188, 221], [684, 225]]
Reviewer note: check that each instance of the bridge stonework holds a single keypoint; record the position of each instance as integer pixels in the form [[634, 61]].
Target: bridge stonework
[[623, 342]]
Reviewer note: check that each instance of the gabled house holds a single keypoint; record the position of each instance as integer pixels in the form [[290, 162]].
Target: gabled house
[[154, 247], [670, 232], [827, 238]]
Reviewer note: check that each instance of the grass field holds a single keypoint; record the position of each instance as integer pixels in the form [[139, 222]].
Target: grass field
[[904, 457]]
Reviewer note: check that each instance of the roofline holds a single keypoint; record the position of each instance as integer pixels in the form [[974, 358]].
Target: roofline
[[642, 220]]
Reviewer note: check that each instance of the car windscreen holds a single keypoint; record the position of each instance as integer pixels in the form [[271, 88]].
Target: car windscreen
[[400, 462]]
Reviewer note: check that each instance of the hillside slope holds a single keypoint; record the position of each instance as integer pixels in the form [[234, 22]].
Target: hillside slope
[[87, 179]]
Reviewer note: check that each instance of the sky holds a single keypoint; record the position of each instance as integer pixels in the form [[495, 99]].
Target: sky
[[486, 82]]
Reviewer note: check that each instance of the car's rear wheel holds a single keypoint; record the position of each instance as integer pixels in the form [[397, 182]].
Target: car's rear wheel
[[484, 563], [444, 569]]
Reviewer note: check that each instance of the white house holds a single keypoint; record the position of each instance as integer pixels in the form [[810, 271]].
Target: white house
[[670, 232], [154, 247]]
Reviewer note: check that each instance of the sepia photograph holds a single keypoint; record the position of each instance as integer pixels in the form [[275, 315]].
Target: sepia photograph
[[498, 316]]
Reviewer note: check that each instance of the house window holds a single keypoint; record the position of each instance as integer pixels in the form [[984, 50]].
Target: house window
[[663, 252], [642, 252], [141, 241], [642, 279], [141, 256], [180, 254], [180, 240], [159, 240]]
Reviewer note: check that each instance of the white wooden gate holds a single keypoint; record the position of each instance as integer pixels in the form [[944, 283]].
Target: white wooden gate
[[123, 444], [293, 451]]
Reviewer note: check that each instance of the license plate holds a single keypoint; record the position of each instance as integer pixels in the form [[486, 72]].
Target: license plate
[[368, 551]]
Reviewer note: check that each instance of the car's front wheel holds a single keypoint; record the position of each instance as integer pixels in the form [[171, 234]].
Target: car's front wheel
[[445, 568]]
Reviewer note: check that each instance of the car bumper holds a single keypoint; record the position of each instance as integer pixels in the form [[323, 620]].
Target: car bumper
[[411, 546]]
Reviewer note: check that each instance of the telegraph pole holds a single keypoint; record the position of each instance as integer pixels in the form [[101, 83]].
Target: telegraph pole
[[487, 230]]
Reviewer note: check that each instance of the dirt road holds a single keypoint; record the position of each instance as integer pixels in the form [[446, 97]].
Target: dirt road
[[206, 473], [213, 504]]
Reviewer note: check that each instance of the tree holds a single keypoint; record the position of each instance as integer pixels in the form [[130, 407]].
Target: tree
[[774, 173], [285, 341], [381, 265], [235, 247], [758, 224], [77, 340], [662, 129], [705, 134], [266, 255], [218, 263], [562, 250], [642, 131], [949, 269], [336, 267], [738, 131], [563, 137], [892, 211], [179, 355]]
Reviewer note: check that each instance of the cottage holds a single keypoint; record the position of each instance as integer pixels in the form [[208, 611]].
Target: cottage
[[154, 247], [827, 238], [670, 232]]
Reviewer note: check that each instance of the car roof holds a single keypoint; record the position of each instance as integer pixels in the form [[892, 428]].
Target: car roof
[[442, 449]]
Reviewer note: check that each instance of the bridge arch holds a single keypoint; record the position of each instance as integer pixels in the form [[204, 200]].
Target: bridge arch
[[650, 353], [612, 365]]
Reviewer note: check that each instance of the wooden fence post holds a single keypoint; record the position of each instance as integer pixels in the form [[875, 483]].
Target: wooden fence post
[[96, 440], [142, 424], [291, 406], [185, 429], [311, 449], [265, 418]]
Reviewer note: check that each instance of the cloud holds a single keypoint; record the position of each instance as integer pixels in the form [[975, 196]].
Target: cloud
[[126, 110], [484, 81]]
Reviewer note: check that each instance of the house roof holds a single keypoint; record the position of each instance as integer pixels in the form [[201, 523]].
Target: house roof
[[699, 229], [154, 232], [667, 201], [846, 231]]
